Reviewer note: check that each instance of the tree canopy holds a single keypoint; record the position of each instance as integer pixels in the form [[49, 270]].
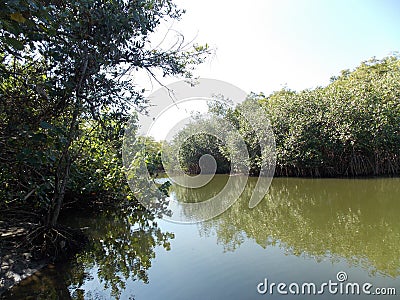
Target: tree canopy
[[66, 83], [348, 128]]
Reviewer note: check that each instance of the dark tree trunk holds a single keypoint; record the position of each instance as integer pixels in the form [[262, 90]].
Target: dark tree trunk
[[64, 164], [61, 181], [62, 172]]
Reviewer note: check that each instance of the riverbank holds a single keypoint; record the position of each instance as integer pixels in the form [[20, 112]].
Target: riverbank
[[16, 263], [26, 246], [22, 251]]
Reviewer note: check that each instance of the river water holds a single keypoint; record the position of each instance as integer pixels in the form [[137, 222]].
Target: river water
[[323, 232]]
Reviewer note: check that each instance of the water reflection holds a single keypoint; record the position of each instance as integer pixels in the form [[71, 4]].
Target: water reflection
[[122, 248], [333, 218], [325, 219]]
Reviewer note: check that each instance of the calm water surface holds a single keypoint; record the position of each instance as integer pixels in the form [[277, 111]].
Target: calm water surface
[[304, 230]]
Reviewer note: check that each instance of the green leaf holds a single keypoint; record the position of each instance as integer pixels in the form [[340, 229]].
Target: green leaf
[[16, 44], [40, 137], [46, 125]]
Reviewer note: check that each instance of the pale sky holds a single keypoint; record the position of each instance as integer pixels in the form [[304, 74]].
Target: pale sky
[[163, 129], [264, 45]]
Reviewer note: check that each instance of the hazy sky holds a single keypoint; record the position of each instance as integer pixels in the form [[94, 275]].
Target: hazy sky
[[262, 46]]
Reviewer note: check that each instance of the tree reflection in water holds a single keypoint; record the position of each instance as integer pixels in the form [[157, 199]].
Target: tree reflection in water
[[354, 219], [326, 219], [122, 247]]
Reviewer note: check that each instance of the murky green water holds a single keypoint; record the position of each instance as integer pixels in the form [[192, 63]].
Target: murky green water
[[304, 231]]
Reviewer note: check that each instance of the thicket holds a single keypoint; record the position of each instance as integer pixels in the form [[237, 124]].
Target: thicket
[[66, 92], [349, 128]]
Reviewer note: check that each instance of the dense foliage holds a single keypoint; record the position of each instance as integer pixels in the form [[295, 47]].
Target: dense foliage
[[66, 91], [191, 148], [349, 128]]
